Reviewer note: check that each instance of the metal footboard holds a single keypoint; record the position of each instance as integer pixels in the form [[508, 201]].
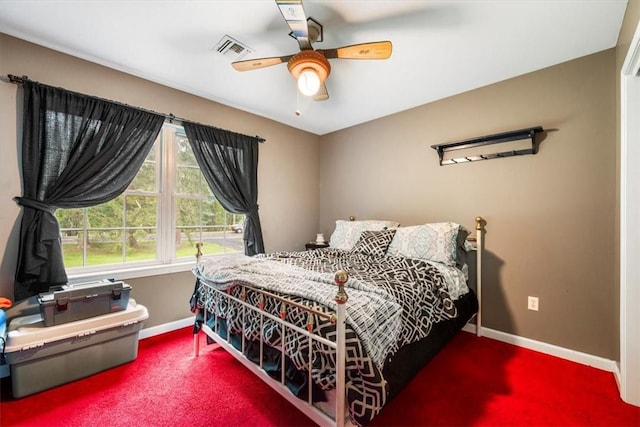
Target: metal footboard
[[286, 328]]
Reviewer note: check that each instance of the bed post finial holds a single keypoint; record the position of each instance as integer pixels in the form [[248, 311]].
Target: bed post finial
[[341, 277], [198, 251], [352, 218], [479, 223]]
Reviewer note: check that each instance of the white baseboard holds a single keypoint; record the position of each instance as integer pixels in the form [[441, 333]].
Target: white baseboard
[[617, 374], [165, 327], [550, 349]]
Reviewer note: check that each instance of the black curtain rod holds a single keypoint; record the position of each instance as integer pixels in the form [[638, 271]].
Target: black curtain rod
[[170, 117]]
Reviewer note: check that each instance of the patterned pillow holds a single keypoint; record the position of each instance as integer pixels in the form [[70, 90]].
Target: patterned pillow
[[432, 242], [347, 233], [374, 242]]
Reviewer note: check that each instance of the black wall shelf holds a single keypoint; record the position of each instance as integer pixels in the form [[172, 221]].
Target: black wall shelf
[[515, 135]]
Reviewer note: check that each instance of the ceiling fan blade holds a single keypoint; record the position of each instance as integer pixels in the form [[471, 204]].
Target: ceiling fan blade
[[322, 94], [253, 64], [373, 50], [293, 12]]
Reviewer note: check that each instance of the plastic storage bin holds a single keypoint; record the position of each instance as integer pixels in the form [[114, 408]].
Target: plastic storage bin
[[42, 357]]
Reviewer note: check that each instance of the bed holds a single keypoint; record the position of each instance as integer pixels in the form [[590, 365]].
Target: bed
[[340, 331]]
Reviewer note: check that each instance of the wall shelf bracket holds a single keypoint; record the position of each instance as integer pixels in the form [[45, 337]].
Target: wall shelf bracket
[[515, 135]]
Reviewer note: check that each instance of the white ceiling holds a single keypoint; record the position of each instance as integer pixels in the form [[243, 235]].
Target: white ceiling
[[440, 48]]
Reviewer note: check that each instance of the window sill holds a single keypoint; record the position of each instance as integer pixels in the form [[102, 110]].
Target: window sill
[[132, 272]]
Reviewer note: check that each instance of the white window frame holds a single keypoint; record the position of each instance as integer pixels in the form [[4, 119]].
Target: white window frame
[[166, 225]]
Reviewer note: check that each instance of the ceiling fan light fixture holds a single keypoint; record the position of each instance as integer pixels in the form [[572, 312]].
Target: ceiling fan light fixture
[[309, 82], [310, 69]]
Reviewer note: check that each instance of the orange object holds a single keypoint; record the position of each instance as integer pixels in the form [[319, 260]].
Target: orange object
[[5, 302]]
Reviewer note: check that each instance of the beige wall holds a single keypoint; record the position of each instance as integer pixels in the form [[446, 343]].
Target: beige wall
[[288, 190], [550, 216]]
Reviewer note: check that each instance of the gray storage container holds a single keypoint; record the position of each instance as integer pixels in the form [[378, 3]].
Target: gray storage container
[[68, 303], [43, 357]]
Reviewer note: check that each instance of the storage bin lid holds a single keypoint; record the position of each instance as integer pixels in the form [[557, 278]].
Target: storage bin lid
[[29, 331]]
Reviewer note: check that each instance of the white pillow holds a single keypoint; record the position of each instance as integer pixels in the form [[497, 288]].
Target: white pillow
[[347, 233], [432, 242]]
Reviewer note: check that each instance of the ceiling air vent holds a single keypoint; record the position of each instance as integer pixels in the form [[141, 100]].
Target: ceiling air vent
[[232, 48]]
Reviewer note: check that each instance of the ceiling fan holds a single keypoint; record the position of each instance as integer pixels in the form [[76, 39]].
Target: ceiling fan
[[311, 67]]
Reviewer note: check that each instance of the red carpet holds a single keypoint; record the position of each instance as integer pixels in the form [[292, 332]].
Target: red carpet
[[473, 382]]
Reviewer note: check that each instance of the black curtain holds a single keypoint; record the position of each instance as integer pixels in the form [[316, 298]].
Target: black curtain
[[77, 151], [229, 162]]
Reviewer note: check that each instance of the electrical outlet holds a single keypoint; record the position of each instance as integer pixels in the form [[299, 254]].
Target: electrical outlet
[[533, 303]]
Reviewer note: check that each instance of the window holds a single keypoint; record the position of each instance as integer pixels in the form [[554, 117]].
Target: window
[[166, 209]]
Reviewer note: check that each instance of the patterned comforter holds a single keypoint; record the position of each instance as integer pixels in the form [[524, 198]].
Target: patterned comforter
[[393, 301]]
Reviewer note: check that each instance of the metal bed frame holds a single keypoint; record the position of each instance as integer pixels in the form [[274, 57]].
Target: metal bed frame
[[338, 318]]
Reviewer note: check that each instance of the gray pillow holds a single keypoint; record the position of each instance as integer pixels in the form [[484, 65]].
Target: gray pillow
[[374, 242]]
